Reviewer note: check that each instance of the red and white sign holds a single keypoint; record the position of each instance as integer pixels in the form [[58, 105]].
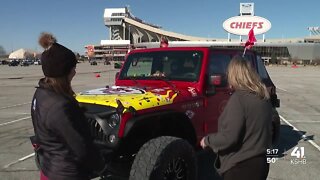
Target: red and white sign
[[241, 25], [90, 50]]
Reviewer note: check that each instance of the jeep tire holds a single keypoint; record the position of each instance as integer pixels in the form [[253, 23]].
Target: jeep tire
[[165, 157]]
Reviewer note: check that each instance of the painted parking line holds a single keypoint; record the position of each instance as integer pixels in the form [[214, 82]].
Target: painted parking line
[[302, 135], [282, 89], [19, 160], [6, 107], [22, 113], [14, 121], [302, 121]]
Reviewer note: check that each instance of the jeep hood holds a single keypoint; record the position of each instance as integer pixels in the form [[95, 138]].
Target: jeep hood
[[138, 98]]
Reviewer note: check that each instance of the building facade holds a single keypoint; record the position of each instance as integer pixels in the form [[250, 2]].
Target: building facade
[[127, 31]]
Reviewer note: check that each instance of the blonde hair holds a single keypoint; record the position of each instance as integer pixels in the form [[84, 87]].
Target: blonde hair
[[241, 76]]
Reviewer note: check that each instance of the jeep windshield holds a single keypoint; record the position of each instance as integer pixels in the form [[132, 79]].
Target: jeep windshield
[[160, 65]]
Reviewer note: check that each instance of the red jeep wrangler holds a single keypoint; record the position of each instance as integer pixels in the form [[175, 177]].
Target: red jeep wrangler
[[164, 101]]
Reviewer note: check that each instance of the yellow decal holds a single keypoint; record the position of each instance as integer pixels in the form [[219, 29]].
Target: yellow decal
[[141, 100]]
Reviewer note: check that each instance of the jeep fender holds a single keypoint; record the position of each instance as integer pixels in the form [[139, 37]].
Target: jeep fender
[[164, 123]]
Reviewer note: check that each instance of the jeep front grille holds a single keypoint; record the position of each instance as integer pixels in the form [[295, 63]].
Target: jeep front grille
[[96, 130]]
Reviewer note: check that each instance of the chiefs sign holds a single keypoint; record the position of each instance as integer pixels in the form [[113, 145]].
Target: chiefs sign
[[241, 25]]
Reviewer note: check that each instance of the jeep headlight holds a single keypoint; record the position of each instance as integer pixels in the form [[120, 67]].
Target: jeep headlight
[[114, 120]]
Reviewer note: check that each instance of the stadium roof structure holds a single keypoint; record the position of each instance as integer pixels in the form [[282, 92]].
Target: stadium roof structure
[[22, 54], [125, 27], [313, 39], [122, 22]]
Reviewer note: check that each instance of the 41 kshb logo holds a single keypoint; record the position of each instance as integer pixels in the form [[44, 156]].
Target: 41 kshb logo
[[299, 156]]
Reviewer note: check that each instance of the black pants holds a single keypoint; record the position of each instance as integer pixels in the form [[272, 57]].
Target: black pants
[[255, 168]]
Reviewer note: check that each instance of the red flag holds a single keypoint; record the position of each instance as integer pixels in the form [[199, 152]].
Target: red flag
[[164, 43], [90, 48], [251, 40]]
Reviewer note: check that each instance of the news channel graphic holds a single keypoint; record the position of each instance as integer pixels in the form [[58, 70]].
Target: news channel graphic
[[297, 156]]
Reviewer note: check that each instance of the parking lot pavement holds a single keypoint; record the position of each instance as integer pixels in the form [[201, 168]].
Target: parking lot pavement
[[17, 85], [298, 90]]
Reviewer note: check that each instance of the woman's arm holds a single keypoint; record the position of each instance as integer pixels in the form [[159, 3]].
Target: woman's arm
[[61, 120]]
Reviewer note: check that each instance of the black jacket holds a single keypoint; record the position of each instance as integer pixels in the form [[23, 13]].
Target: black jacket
[[63, 134], [244, 130]]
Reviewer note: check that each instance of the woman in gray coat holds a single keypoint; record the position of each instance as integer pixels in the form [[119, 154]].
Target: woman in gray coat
[[244, 127]]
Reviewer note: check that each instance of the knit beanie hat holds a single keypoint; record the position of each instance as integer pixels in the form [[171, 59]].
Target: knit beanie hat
[[56, 60]]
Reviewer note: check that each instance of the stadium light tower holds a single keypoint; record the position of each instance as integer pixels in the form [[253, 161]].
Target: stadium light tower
[[129, 33], [314, 30], [246, 9]]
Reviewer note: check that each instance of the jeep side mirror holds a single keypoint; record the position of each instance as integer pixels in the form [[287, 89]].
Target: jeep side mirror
[[215, 80], [212, 81]]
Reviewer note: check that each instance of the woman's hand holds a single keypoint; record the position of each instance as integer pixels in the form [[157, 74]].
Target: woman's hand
[[202, 143]]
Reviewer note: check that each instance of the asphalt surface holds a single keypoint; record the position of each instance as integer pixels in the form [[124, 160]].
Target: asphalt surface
[[17, 85], [298, 89]]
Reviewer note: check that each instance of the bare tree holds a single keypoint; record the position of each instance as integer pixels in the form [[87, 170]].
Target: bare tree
[[2, 51]]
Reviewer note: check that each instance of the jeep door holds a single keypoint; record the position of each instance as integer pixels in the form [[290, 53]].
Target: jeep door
[[217, 65], [216, 71]]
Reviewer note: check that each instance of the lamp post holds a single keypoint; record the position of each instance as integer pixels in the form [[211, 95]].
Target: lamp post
[[129, 35]]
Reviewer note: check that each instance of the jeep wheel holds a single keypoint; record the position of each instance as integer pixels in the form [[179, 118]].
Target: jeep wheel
[[165, 157]]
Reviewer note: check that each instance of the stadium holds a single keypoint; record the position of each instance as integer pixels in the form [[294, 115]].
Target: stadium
[[127, 31]]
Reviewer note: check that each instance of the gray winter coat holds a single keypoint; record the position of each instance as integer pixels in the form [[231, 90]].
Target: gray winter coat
[[244, 130]]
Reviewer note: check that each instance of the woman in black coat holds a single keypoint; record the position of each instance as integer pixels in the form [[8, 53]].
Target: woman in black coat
[[244, 127], [61, 130]]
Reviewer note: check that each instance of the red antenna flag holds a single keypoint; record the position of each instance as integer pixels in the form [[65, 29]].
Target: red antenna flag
[[250, 42], [164, 42]]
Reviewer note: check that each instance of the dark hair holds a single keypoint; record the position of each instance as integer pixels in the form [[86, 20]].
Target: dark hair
[[60, 85]]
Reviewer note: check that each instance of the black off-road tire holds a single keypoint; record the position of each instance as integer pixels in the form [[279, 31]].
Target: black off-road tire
[[156, 160]]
